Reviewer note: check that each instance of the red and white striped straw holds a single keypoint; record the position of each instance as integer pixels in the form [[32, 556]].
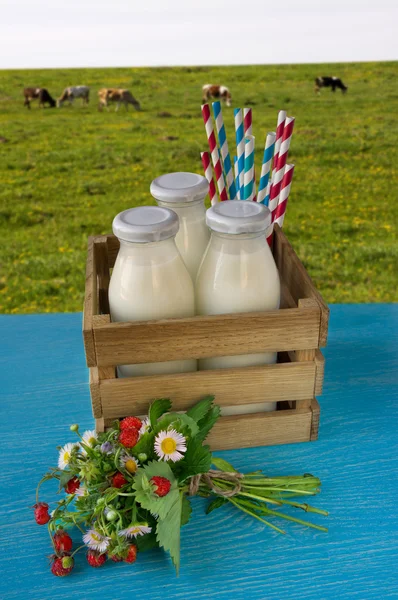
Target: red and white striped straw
[[205, 156], [247, 122], [215, 156], [278, 139], [277, 175], [284, 195]]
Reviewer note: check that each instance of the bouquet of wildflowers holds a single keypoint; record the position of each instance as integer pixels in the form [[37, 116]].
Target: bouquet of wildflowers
[[128, 489]]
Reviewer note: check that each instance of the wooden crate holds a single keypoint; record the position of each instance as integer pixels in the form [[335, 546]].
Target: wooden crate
[[296, 332]]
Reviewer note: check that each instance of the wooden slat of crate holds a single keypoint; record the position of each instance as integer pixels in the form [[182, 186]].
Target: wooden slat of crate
[[90, 304], [203, 337], [261, 429], [231, 387]]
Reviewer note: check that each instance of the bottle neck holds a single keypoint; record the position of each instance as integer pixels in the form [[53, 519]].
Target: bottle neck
[[238, 237], [141, 248], [196, 207]]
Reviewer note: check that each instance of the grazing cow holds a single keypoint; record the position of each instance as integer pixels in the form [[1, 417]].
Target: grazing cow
[[220, 92], [106, 95], [77, 91], [333, 82], [40, 94]]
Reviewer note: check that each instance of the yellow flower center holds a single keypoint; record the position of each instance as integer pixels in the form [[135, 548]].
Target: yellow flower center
[[66, 457], [168, 445], [131, 466], [92, 441]]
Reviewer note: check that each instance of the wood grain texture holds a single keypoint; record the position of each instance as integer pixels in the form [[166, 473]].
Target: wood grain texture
[[202, 337], [315, 420], [271, 383], [102, 267], [300, 283], [90, 305], [225, 555]]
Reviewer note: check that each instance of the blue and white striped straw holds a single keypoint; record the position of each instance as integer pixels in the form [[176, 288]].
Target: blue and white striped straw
[[266, 166], [248, 176], [236, 171], [240, 146], [226, 159], [267, 193]]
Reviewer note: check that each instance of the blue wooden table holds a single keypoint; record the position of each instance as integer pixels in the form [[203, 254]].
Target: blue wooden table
[[224, 555]]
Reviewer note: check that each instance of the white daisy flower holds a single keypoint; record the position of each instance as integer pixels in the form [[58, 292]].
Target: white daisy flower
[[65, 455], [90, 439], [170, 445], [129, 463], [81, 491], [96, 541], [135, 531], [145, 426]]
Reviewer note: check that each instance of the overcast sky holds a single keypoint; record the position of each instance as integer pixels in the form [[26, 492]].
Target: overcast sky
[[88, 33]]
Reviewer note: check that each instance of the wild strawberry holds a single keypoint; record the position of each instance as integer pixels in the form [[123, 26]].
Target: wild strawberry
[[130, 423], [118, 480], [62, 566], [129, 437], [72, 485], [131, 554], [62, 541], [41, 513], [95, 559], [162, 485]]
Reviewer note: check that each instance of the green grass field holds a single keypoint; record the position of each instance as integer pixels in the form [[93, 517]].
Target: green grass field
[[66, 172]]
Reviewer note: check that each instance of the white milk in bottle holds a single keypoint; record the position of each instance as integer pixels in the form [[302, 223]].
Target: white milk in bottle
[[149, 279], [238, 274], [185, 193]]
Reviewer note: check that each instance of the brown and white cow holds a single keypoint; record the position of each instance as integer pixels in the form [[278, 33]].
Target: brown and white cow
[[77, 91], [40, 94], [119, 96], [219, 92]]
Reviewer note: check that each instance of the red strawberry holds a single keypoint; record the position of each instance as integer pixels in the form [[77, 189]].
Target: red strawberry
[[130, 423], [129, 437], [62, 541], [131, 554], [118, 480], [62, 566], [41, 513], [162, 485], [95, 559], [72, 485], [116, 558]]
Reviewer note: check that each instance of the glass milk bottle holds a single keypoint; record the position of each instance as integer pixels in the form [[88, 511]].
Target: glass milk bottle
[[149, 279], [185, 193], [238, 274]]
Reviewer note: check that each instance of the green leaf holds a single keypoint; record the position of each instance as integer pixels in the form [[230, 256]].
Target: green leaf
[[157, 409], [222, 465], [197, 459], [186, 510], [168, 531], [145, 445], [177, 421], [216, 503], [201, 408], [144, 489], [146, 542], [64, 478], [206, 424]]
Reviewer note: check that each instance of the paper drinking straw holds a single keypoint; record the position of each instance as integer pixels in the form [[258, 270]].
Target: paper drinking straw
[[247, 121], [277, 176], [284, 195], [215, 156], [236, 171], [205, 156], [225, 157], [240, 146], [266, 166], [267, 193], [249, 168], [254, 198], [278, 140]]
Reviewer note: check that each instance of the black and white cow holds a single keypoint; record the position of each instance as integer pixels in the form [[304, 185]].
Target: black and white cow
[[332, 82]]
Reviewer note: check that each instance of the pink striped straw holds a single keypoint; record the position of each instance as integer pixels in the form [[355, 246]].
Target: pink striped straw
[[284, 195], [278, 139], [205, 156], [215, 156], [247, 122], [277, 175]]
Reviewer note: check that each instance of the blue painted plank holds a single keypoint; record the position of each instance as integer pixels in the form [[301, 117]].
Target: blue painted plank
[[224, 555]]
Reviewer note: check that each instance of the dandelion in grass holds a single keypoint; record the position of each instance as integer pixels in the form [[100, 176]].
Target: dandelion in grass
[[135, 530], [96, 541], [146, 424], [65, 455], [130, 463], [170, 445], [90, 439]]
